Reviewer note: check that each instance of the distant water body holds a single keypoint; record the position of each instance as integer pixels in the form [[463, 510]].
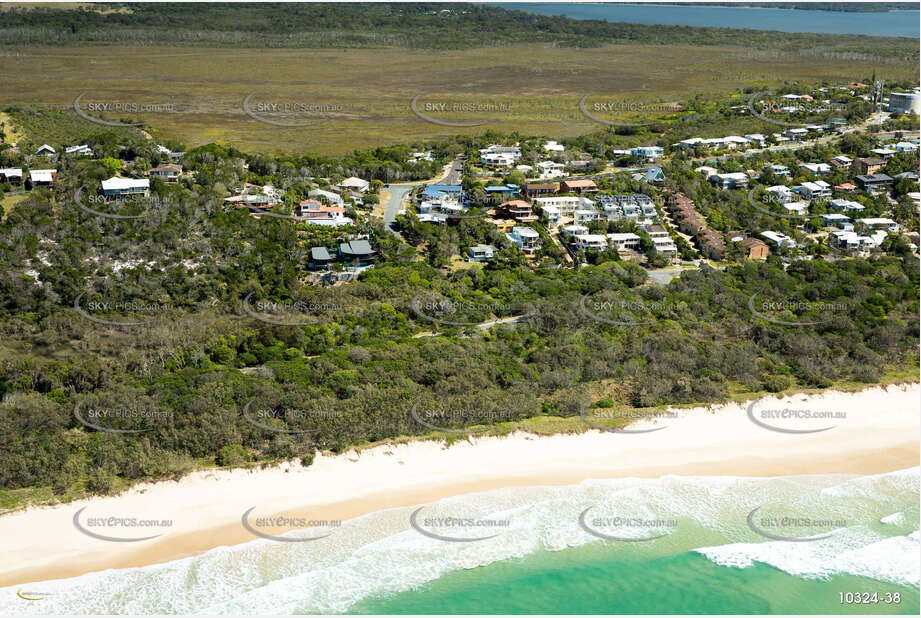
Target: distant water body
[[891, 23]]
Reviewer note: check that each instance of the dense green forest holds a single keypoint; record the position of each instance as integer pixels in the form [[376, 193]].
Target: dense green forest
[[348, 364], [430, 25]]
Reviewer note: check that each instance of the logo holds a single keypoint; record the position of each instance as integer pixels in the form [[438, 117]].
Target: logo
[[455, 523], [285, 414], [624, 522], [281, 521], [117, 522], [287, 108], [621, 106], [788, 414], [790, 522], [623, 415]]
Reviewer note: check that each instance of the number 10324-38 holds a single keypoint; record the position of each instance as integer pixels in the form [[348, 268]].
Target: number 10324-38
[[866, 598]]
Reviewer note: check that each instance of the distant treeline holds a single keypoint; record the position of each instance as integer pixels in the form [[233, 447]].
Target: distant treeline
[[430, 26]]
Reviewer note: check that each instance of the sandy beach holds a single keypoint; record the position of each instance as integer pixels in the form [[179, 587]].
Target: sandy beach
[[872, 431]]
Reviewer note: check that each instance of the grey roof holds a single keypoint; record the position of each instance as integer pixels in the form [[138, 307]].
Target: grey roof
[[320, 254], [356, 247]]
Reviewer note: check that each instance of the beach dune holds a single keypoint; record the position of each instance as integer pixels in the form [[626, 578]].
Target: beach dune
[[868, 432]]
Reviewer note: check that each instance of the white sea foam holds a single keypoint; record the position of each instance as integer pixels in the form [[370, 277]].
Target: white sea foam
[[380, 554]]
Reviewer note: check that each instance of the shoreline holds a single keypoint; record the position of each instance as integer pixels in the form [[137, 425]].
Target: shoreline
[[878, 435]]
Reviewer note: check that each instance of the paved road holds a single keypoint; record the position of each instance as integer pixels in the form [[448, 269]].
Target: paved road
[[397, 194]]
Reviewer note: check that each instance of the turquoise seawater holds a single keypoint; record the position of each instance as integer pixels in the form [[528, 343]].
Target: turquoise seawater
[[693, 545], [599, 581]]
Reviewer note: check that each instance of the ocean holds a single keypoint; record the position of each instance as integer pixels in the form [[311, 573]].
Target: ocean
[[686, 545], [889, 23]]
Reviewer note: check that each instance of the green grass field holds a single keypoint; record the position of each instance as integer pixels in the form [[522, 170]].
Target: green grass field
[[537, 88]]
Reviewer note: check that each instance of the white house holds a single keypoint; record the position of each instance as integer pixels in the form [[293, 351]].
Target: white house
[[732, 180], [552, 146], [815, 190], [777, 169], [45, 150], [333, 198], [706, 171], [354, 184], [624, 240], [906, 147], [780, 193], [846, 205], [79, 151], [758, 139], [117, 186], [816, 168], [797, 208], [649, 153], [796, 133], [566, 204], [597, 242], [526, 239], [573, 229], [43, 177], [880, 223], [552, 213], [836, 219], [480, 253], [778, 239], [11, 174]]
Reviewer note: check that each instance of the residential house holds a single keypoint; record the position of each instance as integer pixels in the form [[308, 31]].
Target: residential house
[[706, 171], [12, 175], [797, 133], [757, 250], [877, 223], [780, 193], [316, 213], [320, 259], [649, 153], [168, 172], [578, 186], [661, 240], [526, 239], [552, 146], [841, 161], [817, 169], [624, 240], [586, 215], [45, 150], [757, 139], [480, 253], [797, 208], [572, 230], [502, 192], [906, 147], [845, 205], [836, 219], [732, 180], [334, 199], [532, 191], [594, 242], [43, 178], [354, 184], [117, 186], [567, 204], [815, 190], [552, 213], [551, 169], [79, 151], [868, 165], [883, 153], [778, 239], [711, 243], [519, 210], [358, 252], [654, 175], [875, 183], [777, 169]]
